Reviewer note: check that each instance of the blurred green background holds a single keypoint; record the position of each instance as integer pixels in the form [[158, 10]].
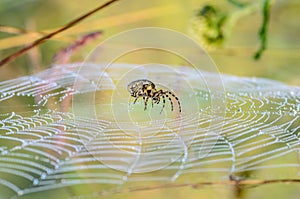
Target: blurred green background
[[24, 21], [279, 62]]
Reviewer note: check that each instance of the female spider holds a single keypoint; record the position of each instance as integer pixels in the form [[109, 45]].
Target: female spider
[[146, 89]]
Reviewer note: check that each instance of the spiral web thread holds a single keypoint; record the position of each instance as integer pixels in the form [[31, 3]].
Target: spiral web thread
[[44, 149]]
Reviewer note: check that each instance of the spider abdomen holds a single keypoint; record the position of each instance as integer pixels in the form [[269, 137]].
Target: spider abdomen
[[141, 87]]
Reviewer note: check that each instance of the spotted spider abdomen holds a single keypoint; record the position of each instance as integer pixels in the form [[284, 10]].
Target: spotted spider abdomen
[[141, 87]]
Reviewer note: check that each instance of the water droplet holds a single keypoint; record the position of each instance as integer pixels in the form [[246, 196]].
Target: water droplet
[[133, 148], [43, 176], [20, 193], [129, 172], [35, 181], [17, 148]]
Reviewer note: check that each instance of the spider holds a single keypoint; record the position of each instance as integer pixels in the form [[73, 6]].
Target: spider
[[146, 89]]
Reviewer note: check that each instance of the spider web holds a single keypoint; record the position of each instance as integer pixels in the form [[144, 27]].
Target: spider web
[[45, 149]]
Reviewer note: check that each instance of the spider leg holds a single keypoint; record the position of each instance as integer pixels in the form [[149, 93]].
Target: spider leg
[[176, 98], [157, 101], [155, 98], [159, 94], [164, 102], [170, 101], [146, 101], [135, 100]]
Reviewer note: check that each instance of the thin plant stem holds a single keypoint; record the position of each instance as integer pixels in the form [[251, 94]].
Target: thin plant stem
[[237, 3], [263, 30], [50, 35]]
